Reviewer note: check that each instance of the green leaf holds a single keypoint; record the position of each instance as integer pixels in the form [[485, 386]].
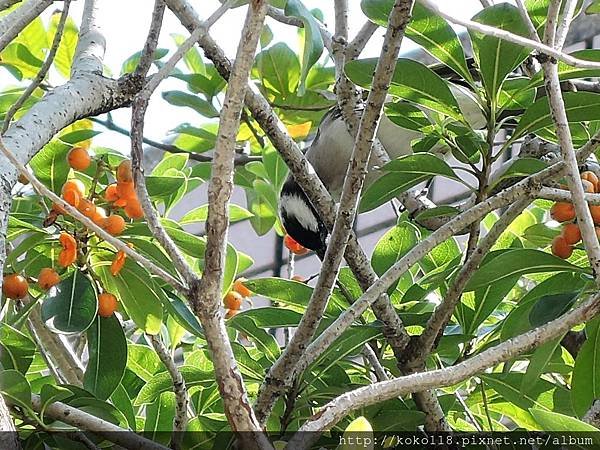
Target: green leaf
[[550, 307], [200, 214], [276, 168], [498, 58], [162, 382], [50, 394], [107, 349], [131, 63], [519, 262], [407, 116], [230, 269], [552, 421], [421, 164], [71, 306], [567, 72], [313, 42], [137, 292], [50, 165], [192, 58], [412, 81], [579, 106], [436, 36], [160, 187], [14, 386], [68, 43], [270, 317], [75, 137], [278, 69], [264, 341], [538, 362], [392, 246], [593, 8], [159, 418], [359, 428], [585, 385], [182, 314], [16, 349], [179, 98]]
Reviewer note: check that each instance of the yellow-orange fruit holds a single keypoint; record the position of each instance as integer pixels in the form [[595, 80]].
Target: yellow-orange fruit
[[86, 207], [591, 177], [230, 313], [126, 191], [74, 185], [68, 254], [233, 300], [595, 212], [133, 209], [562, 212], [15, 286], [107, 304], [79, 158], [99, 216], [110, 194], [119, 261], [114, 224], [588, 186], [560, 247], [571, 233], [240, 288], [48, 278], [124, 174]]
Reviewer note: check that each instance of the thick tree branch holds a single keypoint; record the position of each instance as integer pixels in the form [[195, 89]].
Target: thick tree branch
[[206, 295], [338, 408], [5, 4], [8, 436], [282, 372]]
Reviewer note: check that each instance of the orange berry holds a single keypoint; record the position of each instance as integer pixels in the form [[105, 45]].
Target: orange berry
[[98, 216], [79, 158], [133, 209], [72, 198], [562, 212], [588, 186], [233, 300], [126, 191], [114, 224], [595, 211], [107, 304], [124, 173], [591, 177], [119, 261], [231, 312], [299, 278], [74, 185], [48, 278], [294, 246], [67, 241], [571, 233], [110, 194], [15, 286], [86, 207], [67, 257], [240, 288], [560, 247]]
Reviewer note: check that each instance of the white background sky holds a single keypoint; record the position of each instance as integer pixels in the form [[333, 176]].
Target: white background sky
[[125, 24]]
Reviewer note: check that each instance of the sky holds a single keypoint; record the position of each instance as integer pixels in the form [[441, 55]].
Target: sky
[[125, 22]]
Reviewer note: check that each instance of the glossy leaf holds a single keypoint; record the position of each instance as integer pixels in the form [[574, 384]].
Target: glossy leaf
[[162, 382], [519, 262], [200, 214], [71, 306], [14, 386], [497, 58], [412, 81], [159, 418], [552, 421], [585, 386], [50, 165], [179, 98], [107, 350]]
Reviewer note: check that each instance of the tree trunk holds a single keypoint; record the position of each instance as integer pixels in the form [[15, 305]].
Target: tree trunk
[[8, 435]]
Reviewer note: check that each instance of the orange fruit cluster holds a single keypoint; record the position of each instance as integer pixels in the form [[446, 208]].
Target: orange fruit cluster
[[234, 298], [293, 246], [122, 193], [68, 255], [562, 245]]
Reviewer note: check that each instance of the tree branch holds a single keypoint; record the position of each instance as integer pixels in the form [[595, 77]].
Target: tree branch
[[9, 439], [151, 43], [12, 24], [181, 394], [338, 408], [510, 37], [358, 44], [283, 371], [43, 70]]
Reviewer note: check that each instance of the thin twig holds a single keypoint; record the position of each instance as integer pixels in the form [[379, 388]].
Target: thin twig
[[181, 394], [43, 70], [117, 243], [151, 43], [338, 408], [12, 24], [510, 37]]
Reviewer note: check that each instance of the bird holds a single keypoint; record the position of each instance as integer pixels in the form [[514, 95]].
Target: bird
[[329, 155]]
